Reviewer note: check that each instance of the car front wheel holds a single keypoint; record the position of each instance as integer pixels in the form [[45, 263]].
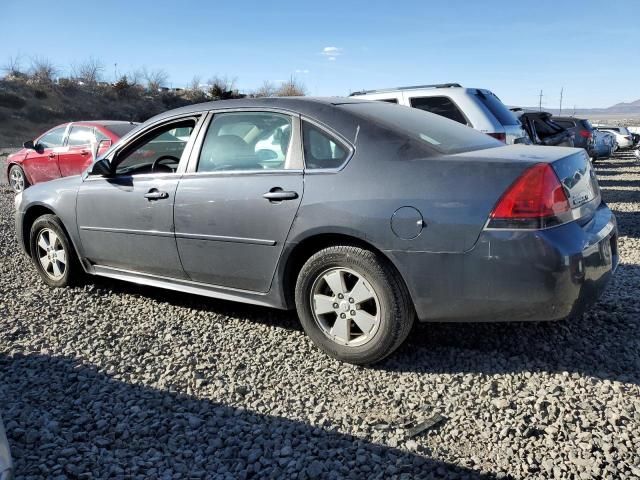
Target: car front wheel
[[52, 253], [353, 304], [17, 179]]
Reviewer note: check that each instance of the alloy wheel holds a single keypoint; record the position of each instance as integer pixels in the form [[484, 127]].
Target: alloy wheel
[[16, 179], [345, 306], [51, 254]]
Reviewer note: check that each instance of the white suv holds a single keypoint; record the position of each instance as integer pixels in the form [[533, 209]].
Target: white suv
[[476, 107]]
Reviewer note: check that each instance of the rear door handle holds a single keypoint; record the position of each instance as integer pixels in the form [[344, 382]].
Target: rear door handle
[[51, 155], [277, 195], [155, 194], [84, 153]]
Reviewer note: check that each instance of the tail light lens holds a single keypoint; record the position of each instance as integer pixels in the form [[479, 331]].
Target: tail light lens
[[585, 134], [499, 136], [535, 200]]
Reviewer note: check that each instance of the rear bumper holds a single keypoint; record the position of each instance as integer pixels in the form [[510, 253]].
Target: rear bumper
[[514, 275]]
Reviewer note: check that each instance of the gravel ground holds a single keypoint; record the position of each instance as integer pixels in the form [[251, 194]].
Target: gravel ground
[[122, 381]]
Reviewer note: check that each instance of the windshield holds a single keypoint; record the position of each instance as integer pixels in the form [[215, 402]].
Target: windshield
[[497, 108], [439, 133]]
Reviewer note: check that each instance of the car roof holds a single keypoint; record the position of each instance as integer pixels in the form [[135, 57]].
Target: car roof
[[303, 105], [103, 123]]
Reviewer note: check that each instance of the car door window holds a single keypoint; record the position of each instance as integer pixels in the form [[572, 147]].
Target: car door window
[[442, 106], [246, 141], [80, 136], [159, 151], [321, 150], [53, 138]]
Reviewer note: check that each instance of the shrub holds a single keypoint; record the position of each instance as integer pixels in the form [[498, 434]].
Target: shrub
[[40, 94], [11, 100]]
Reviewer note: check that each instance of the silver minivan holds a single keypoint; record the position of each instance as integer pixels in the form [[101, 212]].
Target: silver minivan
[[478, 108]]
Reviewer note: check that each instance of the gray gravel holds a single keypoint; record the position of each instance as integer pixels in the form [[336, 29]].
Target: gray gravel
[[122, 381]]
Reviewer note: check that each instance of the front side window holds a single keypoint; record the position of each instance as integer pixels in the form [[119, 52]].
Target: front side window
[[321, 150], [159, 151], [246, 141], [52, 139], [442, 106], [80, 136]]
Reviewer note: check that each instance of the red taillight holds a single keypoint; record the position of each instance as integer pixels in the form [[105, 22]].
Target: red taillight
[[534, 197], [585, 133], [499, 136]]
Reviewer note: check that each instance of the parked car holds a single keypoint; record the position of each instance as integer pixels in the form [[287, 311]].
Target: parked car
[[635, 138], [65, 150], [6, 465], [623, 136], [582, 132], [604, 145], [376, 214], [542, 130], [475, 107]]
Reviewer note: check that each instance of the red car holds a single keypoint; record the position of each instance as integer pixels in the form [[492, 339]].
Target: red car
[[65, 150]]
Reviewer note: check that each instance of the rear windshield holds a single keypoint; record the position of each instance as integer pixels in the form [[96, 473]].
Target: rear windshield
[[497, 108], [441, 134], [120, 129]]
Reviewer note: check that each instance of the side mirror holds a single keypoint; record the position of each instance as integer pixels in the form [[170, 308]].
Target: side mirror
[[29, 144], [102, 167]]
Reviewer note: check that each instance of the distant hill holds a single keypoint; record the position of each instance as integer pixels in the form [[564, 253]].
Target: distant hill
[[630, 110], [28, 109]]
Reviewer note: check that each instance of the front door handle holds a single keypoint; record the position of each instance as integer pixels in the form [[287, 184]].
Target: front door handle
[[277, 195], [155, 194]]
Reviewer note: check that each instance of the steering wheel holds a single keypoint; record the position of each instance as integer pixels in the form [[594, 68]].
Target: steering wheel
[[158, 163]]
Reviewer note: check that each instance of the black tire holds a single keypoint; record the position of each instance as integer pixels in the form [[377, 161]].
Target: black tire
[[396, 313], [17, 169], [72, 273]]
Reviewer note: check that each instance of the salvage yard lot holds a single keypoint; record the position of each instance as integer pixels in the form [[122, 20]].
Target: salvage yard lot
[[118, 380]]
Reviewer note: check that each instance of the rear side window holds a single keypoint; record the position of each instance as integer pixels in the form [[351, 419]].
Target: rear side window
[[80, 136], [321, 150], [564, 123], [120, 129], [246, 141], [442, 106], [388, 100], [497, 108]]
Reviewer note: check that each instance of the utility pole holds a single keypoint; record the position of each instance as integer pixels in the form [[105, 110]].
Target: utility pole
[[574, 110], [540, 101], [561, 92], [115, 72]]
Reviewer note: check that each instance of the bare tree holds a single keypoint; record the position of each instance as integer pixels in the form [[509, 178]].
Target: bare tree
[[291, 88], [222, 87], [154, 78], [13, 67], [194, 84], [267, 89], [89, 71], [43, 70]]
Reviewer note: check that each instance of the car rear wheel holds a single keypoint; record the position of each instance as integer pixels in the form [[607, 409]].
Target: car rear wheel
[[353, 304], [17, 179], [53, 254]]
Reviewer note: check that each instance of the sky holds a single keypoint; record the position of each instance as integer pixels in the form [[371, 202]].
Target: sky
[[514, 48]]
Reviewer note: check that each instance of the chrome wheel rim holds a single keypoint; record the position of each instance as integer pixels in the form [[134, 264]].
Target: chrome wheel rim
[[51, 254], [345, 306], [16, 179]]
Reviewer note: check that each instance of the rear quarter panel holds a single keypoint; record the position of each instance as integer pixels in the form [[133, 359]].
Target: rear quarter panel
[[454, 194]]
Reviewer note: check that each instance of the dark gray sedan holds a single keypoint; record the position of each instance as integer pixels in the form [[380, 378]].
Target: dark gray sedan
[[361, 215]]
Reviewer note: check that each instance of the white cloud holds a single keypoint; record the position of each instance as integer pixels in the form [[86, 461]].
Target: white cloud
[[298, 70], [331, 52]]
